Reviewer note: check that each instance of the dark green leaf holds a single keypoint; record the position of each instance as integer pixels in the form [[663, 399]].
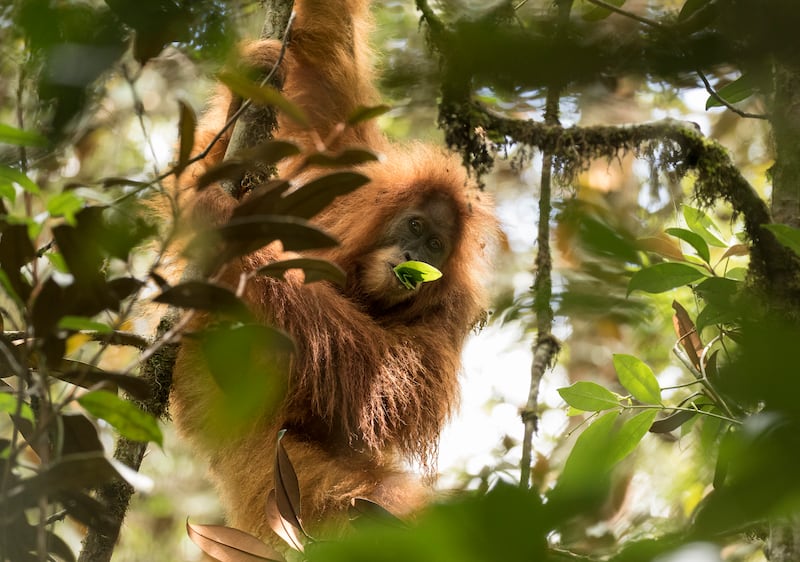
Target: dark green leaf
[[672, 421], [124, 416], [86, 376], [316, 195], [232, 169], [589, 396], [79, 435], [72, 472], [16, 250], [269, 152], [204, 296], [347, 157], [700, 223], [786, 235], [314, 270], [263, 200], [694, 240], [186, 127], [663, 277]]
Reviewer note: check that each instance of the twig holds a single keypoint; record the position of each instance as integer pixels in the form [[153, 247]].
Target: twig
[[630, 15], [547, 346], [714, 94]]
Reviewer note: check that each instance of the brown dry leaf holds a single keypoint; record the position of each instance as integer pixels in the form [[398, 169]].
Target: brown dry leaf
[[687, 334], [662, 245], [227, 544], [281, 526]]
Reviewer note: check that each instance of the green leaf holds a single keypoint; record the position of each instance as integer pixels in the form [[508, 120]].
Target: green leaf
[[637, 378], [187, 124], [412, 273], [701, 223], [693, 239], [589, 396], [124, 416], [15, 176], [18, 137], [263, 95], [786, 235], [592, 12], [65, 204], [9, 405], [346, 157], [204, 296], [314, 270], [363, 113], [663, 277], [690, 7], [311, 198], [734, 92], [625, 440], [78, 323], [672, 421]]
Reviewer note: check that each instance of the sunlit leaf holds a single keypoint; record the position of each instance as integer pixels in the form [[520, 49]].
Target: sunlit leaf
[[82, 323], [694, 240], [9, 404], [736, 250], [734, 92], [263, 95], [364, 113], [637, 378], [313, 269], [628, 436], [412, 273], [15, 176], [661, 245], [701, 224], [663, 277], [227, 544], [65, 204], [589, 396], [124, 416]]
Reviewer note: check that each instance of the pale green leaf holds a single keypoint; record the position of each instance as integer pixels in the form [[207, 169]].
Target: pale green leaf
[[124, 416], [589, 396], [637, 378]]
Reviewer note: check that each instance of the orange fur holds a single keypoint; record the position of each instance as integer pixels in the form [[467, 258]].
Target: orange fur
[[370, 386]]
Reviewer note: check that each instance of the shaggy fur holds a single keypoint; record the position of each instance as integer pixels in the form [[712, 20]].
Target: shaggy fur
[[370, 386]]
